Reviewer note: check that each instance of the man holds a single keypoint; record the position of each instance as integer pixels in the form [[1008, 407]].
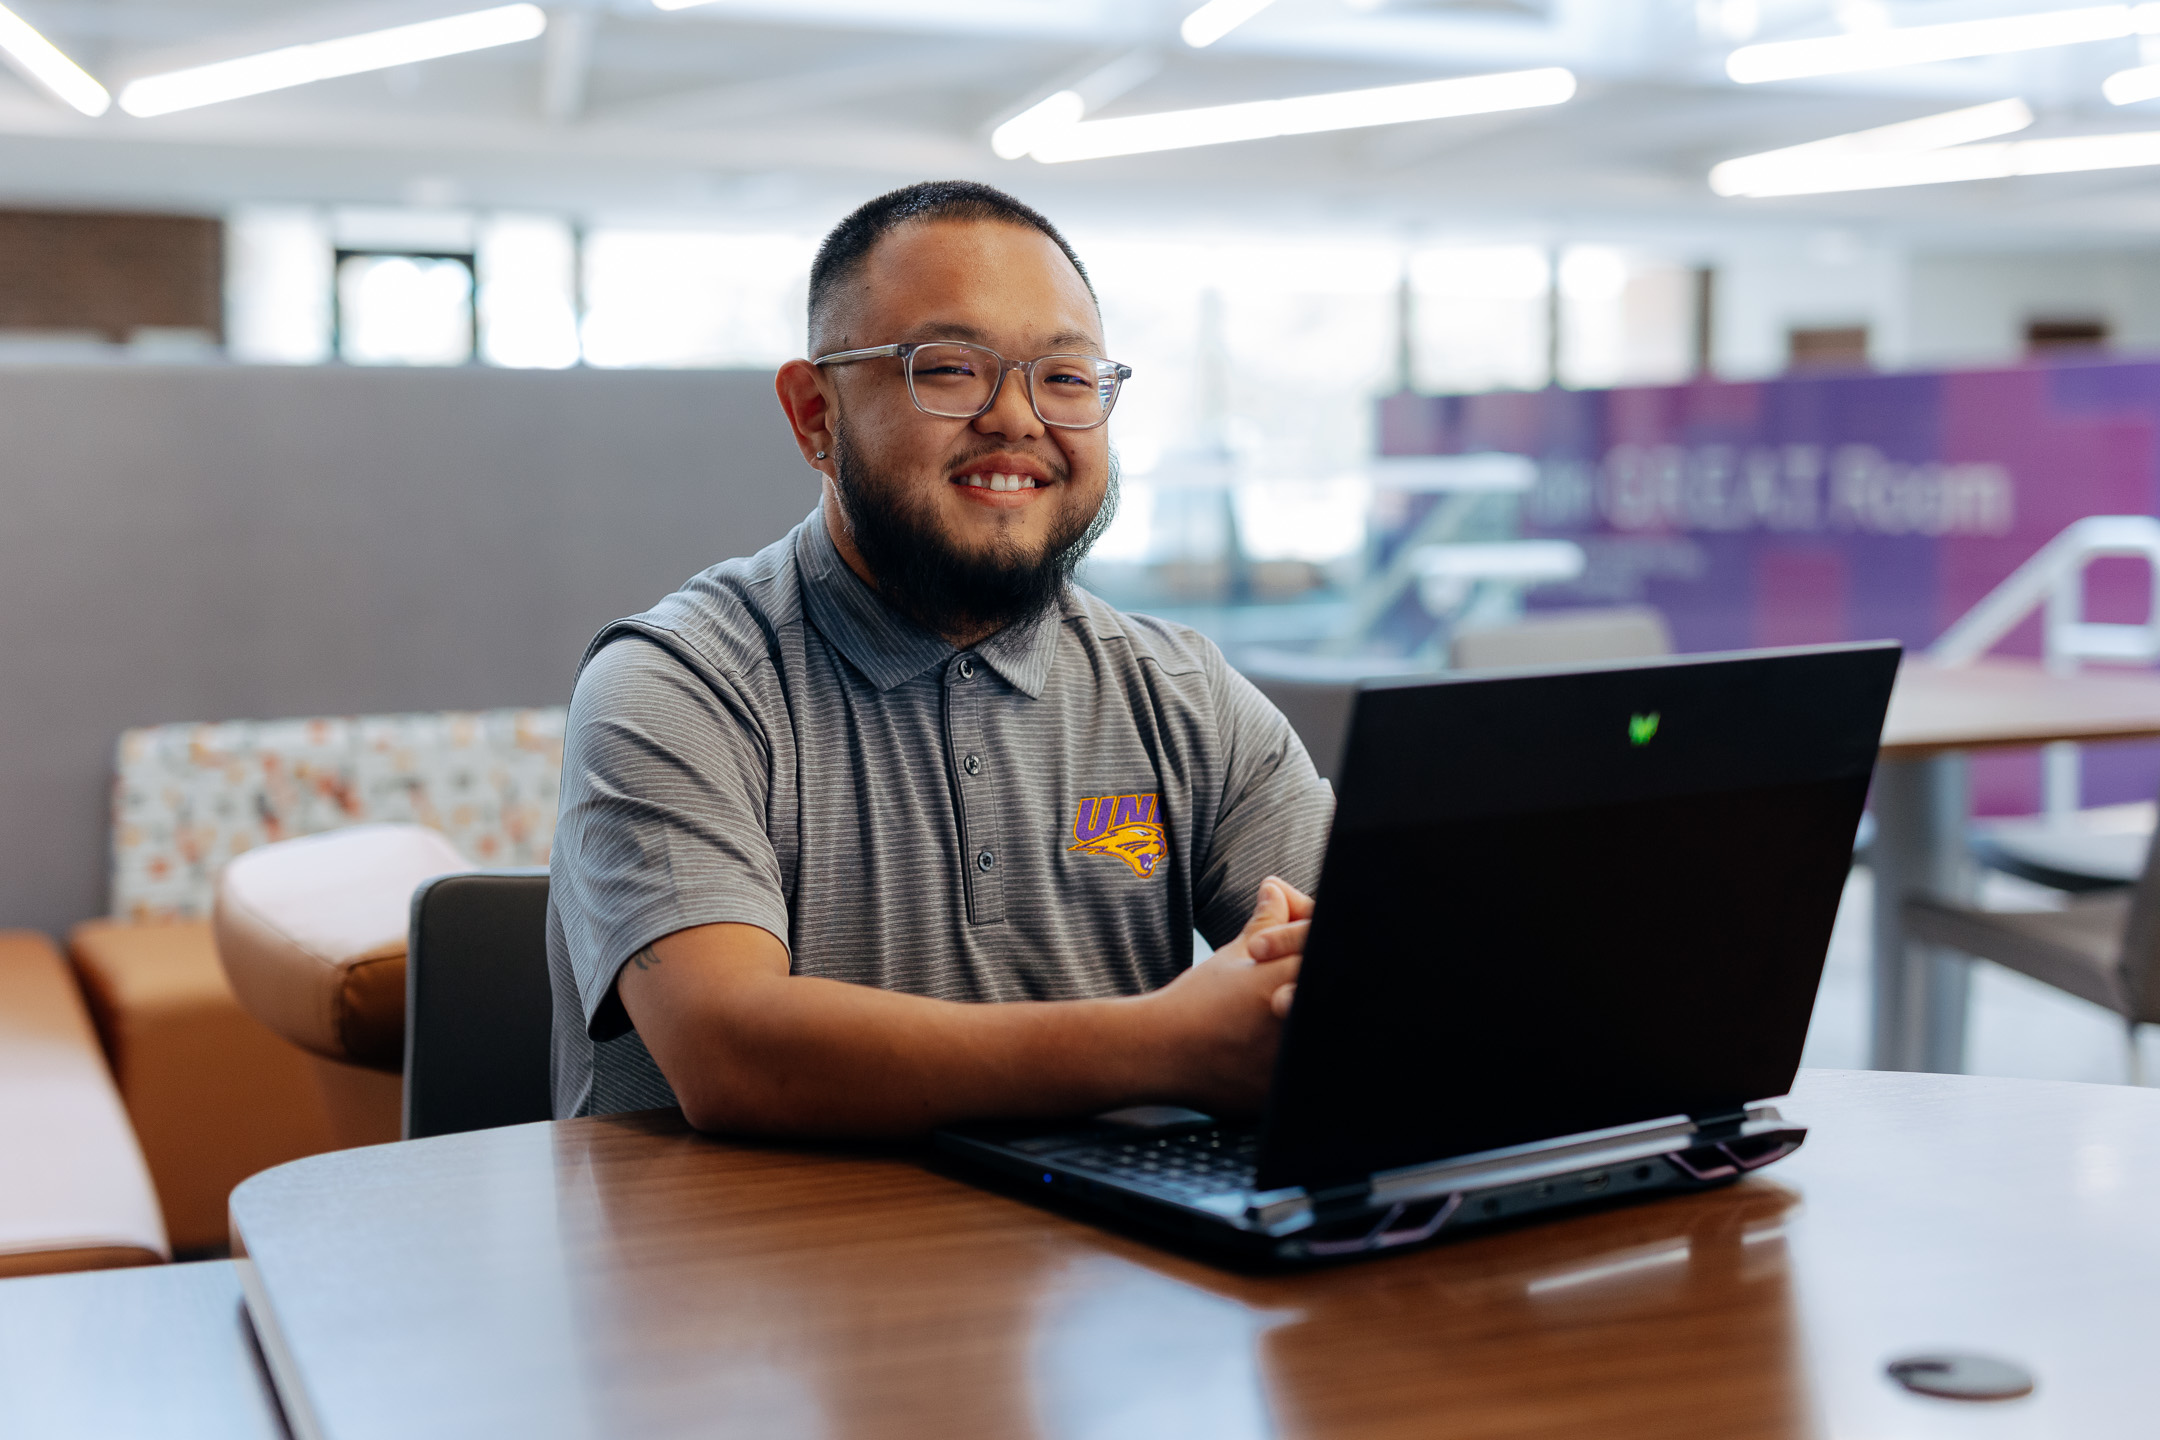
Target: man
[[821, 802]]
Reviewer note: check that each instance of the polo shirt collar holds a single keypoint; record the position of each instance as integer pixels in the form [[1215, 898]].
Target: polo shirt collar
[[889, 648]]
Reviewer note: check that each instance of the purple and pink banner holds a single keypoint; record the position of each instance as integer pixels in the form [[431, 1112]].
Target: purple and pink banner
[[1839, 507]]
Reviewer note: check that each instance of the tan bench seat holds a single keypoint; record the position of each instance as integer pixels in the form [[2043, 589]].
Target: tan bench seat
[[77, 1194], [215, 1095]]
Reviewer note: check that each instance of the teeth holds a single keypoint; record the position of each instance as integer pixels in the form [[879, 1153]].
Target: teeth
[[1000, 482]]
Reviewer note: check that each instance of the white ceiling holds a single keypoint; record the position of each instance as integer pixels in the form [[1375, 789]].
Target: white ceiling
[[785, 112]]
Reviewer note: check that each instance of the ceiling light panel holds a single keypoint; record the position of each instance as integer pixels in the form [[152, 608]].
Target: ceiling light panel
[[2001, 160], [330, 59], [42, 61], [1038, 122], [1218, 18], [1926, 44], [1775, 172], [2128, 87], [1306, 115]]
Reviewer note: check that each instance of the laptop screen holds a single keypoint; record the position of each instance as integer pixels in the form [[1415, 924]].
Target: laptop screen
[[1555, 903]]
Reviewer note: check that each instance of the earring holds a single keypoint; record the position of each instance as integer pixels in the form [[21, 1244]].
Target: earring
[[820, 454]]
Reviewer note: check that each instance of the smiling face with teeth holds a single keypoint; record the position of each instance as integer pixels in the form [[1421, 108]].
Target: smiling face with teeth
[[993, 511]]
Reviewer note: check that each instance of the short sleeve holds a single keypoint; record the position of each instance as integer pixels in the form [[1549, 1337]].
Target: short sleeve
[[1275, 811], [662, 824]]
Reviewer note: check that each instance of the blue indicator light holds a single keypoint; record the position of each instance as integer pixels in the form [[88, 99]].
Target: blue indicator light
[[1046, 1177]]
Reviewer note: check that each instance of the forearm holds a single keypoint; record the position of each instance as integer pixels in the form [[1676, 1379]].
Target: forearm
[[772, 1053]]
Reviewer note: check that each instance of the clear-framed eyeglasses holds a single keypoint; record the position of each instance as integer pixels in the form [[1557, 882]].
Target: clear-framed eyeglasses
[[959, 382]]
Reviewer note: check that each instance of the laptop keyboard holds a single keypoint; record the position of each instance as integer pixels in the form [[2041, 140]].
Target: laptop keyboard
[[1185, 1166]]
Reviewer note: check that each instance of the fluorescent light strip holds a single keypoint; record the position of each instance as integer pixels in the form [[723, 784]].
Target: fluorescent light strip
[[329, 59], [1999, 161], [1925, 44], [42, 61], [1218, 18], [1306, 115], [1031, 126], [2128, 87], [1767, 172]]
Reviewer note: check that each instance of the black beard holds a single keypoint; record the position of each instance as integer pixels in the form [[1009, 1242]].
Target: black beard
[[919, 572]]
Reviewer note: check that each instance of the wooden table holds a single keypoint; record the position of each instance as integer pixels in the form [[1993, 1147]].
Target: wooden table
[[624, 1276], [1922, 802]]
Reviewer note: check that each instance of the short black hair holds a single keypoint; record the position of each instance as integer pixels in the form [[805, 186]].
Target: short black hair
[[849, 242]]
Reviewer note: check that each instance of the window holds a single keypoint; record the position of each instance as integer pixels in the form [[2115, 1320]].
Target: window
[[528, 292], [687, 298], [404, 309]]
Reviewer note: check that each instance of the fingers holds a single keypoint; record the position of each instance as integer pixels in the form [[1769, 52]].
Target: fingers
[[1280, 1001], [1278, 901], [1278, 941], [1271, 907]]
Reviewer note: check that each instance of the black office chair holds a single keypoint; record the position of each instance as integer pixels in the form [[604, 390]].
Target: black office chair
[[477, 1008]]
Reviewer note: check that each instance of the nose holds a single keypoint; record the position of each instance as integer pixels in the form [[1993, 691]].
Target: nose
[[1010, 415]]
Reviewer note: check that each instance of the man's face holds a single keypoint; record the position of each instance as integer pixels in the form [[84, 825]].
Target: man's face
[[903, 477]]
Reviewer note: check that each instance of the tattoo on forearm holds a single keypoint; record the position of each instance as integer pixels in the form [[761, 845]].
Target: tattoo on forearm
[[645, 959]]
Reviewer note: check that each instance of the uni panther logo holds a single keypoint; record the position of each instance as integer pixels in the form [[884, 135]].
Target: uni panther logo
[[1123, 826]]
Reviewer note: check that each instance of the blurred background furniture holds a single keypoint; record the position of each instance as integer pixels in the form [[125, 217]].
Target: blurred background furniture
[[1563, 637], [312, 934], [188, 798], [2100, 847], [74, 1192], [1921, 807], [1314, 694], [215, 1094], [2101, 946], [1956, 701], [479, 1013]]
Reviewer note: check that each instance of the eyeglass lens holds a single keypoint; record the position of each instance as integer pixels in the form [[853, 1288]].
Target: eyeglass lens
[[958, 380]]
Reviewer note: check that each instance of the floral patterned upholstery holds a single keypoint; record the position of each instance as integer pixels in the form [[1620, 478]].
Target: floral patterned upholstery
[[187, 798]]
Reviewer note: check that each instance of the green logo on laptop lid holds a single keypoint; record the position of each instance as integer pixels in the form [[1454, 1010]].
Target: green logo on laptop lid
[[1641, 729]]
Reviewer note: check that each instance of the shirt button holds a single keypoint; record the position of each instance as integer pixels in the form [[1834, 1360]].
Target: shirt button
[[967, 669], [985, 860], [973, 765]]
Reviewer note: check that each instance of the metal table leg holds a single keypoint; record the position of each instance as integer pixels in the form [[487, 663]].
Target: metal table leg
[[1919, 991]]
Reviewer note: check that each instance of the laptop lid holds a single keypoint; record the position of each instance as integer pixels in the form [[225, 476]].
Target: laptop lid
[[1559, 901]]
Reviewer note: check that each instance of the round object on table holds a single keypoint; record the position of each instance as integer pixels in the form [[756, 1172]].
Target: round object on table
[[1962, 1377]]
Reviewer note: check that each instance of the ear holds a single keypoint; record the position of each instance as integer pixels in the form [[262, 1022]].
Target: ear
[[801, 387]]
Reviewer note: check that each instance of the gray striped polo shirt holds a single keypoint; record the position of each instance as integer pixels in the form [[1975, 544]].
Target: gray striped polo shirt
[[1047, 815]]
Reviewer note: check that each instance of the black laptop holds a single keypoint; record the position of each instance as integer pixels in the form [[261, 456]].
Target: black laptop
[[1568, 935]]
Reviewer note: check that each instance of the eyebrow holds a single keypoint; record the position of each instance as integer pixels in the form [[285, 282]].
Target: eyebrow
[[944, 330]]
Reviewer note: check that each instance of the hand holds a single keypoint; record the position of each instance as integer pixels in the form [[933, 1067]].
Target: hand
[[1271, 937], [1223, 1017]]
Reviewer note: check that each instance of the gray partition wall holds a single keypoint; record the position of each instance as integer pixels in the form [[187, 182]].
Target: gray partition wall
[[212, 543]]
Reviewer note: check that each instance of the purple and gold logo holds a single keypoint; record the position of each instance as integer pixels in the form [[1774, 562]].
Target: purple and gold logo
[[1121, 825]]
